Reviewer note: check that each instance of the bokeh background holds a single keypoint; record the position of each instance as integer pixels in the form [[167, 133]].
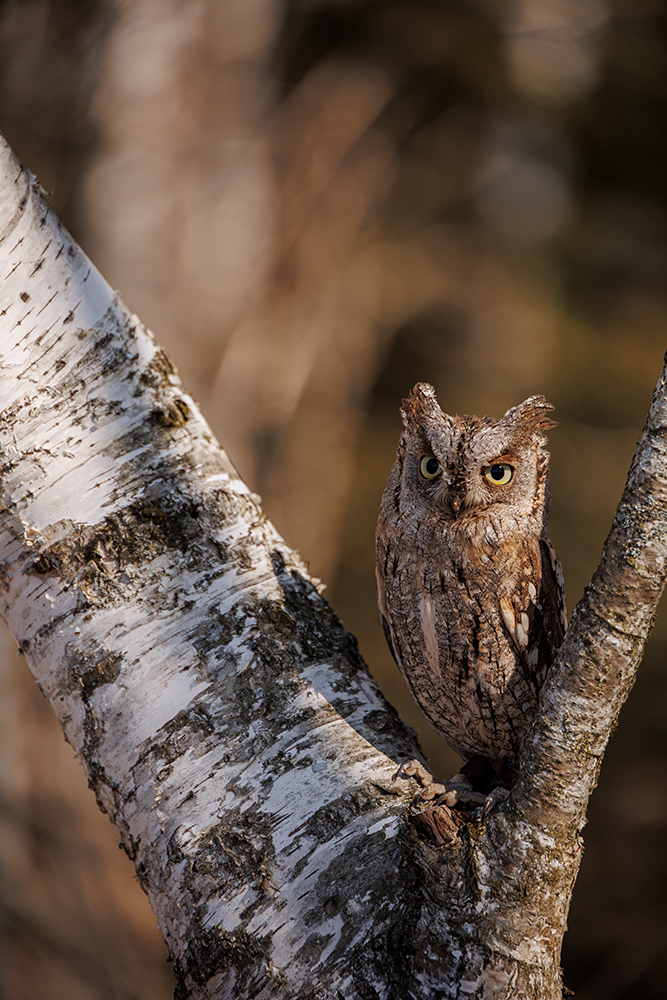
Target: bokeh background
[[315, 204]]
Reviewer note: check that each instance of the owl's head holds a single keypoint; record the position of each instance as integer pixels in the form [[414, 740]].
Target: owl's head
[[463, 465]]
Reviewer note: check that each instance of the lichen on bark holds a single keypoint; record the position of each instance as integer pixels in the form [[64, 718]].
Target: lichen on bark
[[225, 718]]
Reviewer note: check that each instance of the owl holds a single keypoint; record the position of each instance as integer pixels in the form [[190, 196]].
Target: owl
[[470, 590]]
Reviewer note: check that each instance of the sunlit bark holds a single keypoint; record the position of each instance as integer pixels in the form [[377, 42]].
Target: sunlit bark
[[223, 715]]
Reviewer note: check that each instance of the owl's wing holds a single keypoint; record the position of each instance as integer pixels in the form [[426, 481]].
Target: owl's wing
[[553, 594], [535, 614], [384, 617]]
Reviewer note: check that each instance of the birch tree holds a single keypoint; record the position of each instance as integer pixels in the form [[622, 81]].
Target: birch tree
[[224, 717]]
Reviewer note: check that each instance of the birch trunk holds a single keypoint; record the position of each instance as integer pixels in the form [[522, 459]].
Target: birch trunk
[[224, 717]]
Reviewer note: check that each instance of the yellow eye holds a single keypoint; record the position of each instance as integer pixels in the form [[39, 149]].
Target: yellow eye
[[499, 475], [429, 467]]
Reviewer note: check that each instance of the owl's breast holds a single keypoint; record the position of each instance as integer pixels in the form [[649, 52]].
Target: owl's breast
[[447, 611]]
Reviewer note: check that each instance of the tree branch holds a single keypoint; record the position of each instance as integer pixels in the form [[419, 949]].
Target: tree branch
[[223, 715], [598, 661], [221, 712]]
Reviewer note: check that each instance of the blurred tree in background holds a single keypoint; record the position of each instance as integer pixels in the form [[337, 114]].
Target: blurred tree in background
[[465, 192]]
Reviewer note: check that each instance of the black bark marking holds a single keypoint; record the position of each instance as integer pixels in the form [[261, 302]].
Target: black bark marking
[[175, 414]]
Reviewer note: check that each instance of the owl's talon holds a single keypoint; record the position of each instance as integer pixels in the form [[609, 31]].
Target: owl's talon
[[494, 799], [459, 791], [415, 769], [460, 781]]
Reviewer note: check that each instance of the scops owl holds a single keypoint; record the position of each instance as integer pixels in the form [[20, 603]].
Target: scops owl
[[469, 587]]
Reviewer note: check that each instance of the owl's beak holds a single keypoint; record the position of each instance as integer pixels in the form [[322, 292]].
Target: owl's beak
[[455, 504]]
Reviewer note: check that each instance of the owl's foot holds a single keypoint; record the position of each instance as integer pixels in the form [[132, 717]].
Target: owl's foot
[[489, 787], [415, 769], [501, 786], [439, 822], [456, 791], [494, 784], [493, 799], [459, 790]]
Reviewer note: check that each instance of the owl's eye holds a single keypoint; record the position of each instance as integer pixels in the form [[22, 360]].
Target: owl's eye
[[429, 467], [499, 475]]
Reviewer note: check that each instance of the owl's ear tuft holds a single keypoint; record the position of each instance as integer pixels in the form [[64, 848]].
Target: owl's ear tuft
[[533, 414], [420, 403]]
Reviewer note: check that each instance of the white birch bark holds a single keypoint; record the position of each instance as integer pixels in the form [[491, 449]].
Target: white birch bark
[[219, 708], [224, 718]]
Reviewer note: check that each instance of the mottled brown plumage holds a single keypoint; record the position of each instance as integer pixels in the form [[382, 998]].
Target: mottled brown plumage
[[469, 587]]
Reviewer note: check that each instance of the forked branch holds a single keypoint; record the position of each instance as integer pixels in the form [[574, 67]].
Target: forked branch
[[223, 715]]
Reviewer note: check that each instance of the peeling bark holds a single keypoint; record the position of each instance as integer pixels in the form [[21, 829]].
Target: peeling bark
[[224, 717]]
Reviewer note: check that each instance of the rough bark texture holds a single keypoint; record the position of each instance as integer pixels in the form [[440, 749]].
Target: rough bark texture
[[220, 710], [223, 715]]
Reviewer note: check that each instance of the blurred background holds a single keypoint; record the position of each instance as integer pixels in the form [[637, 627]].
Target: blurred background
[[314, 205]]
